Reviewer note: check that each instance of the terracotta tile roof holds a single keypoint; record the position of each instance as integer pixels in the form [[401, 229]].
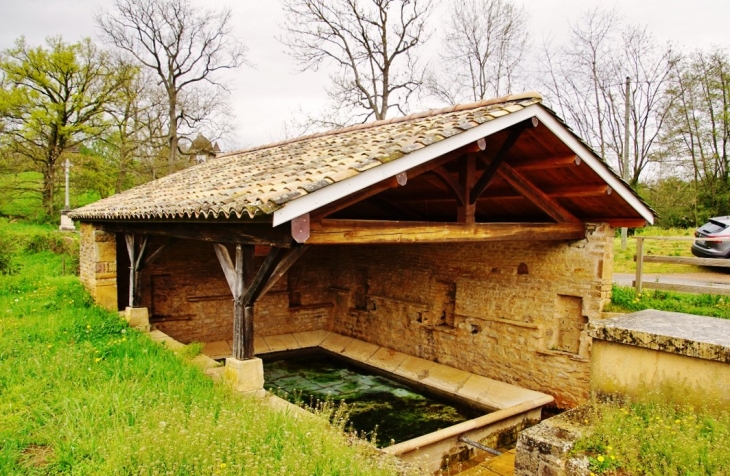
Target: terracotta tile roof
[[260, 180]]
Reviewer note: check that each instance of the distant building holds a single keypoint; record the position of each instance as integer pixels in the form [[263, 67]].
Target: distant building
[[201, 150]]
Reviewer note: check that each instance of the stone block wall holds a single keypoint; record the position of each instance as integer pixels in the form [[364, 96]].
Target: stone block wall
[[511, 311], [189, 299], [98, 269]]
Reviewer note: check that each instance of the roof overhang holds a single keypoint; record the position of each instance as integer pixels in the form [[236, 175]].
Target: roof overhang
[[336, 191]]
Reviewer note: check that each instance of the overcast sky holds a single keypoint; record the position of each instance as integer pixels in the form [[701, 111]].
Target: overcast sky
[[268, 95]]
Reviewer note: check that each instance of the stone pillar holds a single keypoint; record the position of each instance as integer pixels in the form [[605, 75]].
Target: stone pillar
[[98, 263], [246, 376]]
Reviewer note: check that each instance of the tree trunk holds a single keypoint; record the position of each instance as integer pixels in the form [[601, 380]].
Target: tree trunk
[[172, 135]]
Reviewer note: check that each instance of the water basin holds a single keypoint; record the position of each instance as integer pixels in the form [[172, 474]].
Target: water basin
[[377, 402]]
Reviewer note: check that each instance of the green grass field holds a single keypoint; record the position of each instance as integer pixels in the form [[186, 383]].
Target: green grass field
[[81, 393], [656, 439]]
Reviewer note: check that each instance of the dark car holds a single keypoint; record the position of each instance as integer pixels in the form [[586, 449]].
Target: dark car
[[718, 227]]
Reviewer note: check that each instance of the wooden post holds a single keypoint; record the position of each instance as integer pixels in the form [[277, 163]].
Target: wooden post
[[239, 277], [129, 238], [239, 330], [135, 265], [639, 263], [467, 174]]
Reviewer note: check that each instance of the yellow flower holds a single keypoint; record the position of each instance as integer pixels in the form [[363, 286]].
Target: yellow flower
[[600, 459], [677, 421], [222, 465], [609, 448]]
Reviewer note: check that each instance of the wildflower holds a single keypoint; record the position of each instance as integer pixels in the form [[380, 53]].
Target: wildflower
[[677, 421], [601, 459], [222, 466], [98, 359]]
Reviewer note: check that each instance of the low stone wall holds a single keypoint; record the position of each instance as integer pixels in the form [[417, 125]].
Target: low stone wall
[[665, 355], [656, 355]]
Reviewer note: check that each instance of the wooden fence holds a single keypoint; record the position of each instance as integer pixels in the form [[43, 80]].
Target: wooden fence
[[640, 259]]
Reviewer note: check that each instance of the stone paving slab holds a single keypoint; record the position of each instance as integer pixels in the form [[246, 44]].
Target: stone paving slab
[[217, 350], [386, 359], [673, 332], [446, 378], [336, 343], [281, 342], [415, 368], [360, 350], [310, 338]]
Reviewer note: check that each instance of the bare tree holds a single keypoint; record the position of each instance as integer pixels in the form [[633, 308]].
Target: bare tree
[[371, 43], [184, 46], [585, 82], [484, 46]]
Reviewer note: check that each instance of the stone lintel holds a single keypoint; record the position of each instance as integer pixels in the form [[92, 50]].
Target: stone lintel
[[702, 337]]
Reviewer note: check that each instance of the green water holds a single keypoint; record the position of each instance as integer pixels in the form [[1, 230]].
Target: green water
[[397, 412]]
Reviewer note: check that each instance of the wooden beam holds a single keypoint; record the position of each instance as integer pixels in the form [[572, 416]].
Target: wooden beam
[[618, 222], [291, 257], [548, 163], [155, 254], [392, 182], [536, 196], [244, 233], [135, 265], [488, 174], [467, 176], [262, 276], [450, 182], [570, 191], [333, 232], [229, 269]]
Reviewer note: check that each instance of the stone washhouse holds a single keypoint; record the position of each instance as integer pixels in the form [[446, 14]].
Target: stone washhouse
[[477, 236]]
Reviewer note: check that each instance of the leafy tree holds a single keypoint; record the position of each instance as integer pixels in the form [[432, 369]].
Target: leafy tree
[[53, 100], [185, 47], [373, 45], [698, 132]]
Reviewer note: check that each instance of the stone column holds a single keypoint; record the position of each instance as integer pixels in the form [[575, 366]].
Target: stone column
[[98, 262]]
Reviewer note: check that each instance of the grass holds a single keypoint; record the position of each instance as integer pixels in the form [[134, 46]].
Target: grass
[[656, 439], [625, 299], [81, 393]]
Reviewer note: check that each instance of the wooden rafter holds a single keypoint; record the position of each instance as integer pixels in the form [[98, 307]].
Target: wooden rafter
[[538, 197], [452, 184], [569, 191], [333, 232], [555, 162], [488, 174]]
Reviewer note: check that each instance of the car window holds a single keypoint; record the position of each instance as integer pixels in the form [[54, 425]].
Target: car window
[[713, 227]]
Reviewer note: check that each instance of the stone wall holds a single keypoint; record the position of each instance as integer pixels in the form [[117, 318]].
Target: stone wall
[[98, 265], [188, 297], [511, 311]]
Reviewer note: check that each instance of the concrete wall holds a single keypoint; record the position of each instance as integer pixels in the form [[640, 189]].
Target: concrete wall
[[662, 355], [511, 311], [98, 265]]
